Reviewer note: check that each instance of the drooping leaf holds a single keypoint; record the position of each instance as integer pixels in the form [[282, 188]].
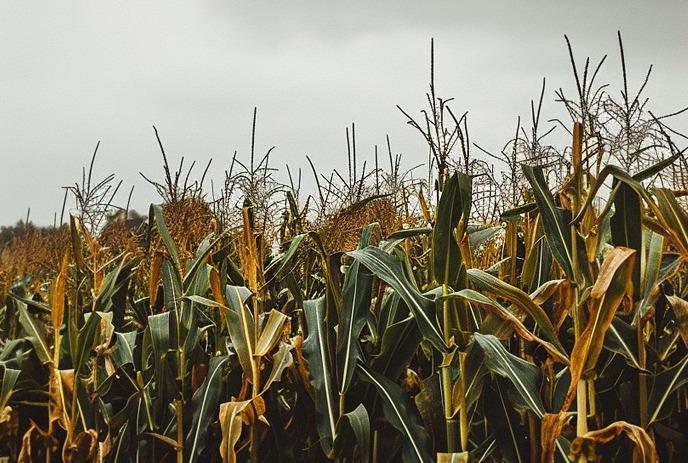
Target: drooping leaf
[[680, 308], [643, 451], [483, 281], [674, 217], [524, 376], [495, 308], [388, 268], [621, 177], [232, 416], [613, 284], [550, 430]]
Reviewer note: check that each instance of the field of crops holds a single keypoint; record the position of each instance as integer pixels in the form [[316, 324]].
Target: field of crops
[[529, 308]]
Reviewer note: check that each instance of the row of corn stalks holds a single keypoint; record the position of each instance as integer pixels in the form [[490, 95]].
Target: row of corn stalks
[[569, 344]]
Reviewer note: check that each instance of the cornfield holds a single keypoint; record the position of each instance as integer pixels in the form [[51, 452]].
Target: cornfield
[[533, 313]]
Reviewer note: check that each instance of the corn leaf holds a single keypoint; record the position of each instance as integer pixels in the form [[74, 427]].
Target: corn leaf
[[315, 351], [205, 401], [524, 376], [483, 281], [240, 325], [416, 446], [664, 385], [388, 268], [454, 205], [555, 220], [353, 429], [496, 309], [356, 294]]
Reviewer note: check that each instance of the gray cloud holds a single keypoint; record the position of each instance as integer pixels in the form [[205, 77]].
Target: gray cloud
[[77, 72]]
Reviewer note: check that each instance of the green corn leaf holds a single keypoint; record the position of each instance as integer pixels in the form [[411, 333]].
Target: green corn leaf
[[626, 226], [477, 237], [398, 345], [356, 294], [388, 268], [354, 424], [156, 219], [123, 353], [396, 409], [675, 218], [555, 220], [665, 384], [206, 400], [524, 376], [85, 341], [204, 250], [622, 339], [651, 276], [111, 283], [505, 425], [536, 267], [159, 335], [409, 233], [35, 331], [240, 325], [171, 285], [279, 265], [315, 351], [159, 329], [454, 205], [516, 212], [9, 379], [204, 301]]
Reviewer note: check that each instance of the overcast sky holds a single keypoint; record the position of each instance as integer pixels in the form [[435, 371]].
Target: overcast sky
[[75, 72]]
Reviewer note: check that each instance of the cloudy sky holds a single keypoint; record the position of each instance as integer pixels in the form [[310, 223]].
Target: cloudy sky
[[75, 72]]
